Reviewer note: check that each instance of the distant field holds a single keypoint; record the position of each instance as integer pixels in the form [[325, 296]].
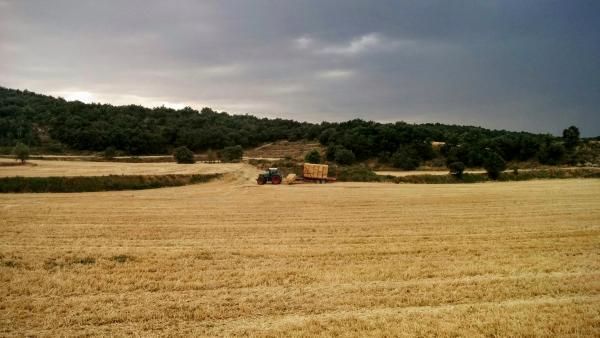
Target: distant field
[[349, 259], [37, 168], [402, 173], [85, 168], [283, 149]]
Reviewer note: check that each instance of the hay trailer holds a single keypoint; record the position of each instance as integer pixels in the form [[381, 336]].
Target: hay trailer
[[305, 173], [309, 172]]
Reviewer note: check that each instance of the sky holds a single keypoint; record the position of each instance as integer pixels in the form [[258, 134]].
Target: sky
[[518, 65]]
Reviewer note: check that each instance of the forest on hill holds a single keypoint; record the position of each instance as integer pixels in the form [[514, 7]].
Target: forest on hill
[[59, 126]]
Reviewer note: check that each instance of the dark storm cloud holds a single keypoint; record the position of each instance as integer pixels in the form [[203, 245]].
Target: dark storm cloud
[[523, 65]]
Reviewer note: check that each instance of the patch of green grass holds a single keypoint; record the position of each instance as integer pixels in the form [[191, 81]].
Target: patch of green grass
[[359, 173], [437, 179], [98, 183]]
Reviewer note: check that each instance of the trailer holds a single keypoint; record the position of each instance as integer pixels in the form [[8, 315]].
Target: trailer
[[304, 173], [316, 172], [310, 173]]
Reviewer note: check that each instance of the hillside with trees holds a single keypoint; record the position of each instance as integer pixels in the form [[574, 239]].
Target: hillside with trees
[[58, 126]]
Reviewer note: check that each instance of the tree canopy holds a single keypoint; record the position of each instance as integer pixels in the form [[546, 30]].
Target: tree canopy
[[21, 152], [183, 155], [313, 157], [39, 120]]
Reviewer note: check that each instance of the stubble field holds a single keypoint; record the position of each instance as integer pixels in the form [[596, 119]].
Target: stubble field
[[349, 259], [44, 168]]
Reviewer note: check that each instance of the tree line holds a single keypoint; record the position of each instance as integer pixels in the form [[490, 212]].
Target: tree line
[[59, 125]]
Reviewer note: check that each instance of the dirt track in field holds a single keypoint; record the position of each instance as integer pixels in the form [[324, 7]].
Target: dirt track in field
[[353, 259]]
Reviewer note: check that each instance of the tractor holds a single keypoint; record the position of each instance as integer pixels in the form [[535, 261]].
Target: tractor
[[271, 175]]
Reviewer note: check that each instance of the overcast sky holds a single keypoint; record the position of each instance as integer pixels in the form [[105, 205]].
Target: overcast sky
[[519, 65]]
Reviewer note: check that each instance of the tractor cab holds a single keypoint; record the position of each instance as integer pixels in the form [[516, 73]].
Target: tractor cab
[[271, 175]]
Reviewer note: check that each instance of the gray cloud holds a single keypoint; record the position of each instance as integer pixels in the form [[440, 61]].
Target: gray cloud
[[500, 64]]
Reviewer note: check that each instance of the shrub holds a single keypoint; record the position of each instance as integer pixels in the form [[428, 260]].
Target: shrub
[[552, 153], [55, 148], [494, 164], [384, 157], [331, 150], [21, 152], [109, 153], [405, 158], [456, 169], [344, 156], [423, 150], [313, 157], [357, 173], [232, 154], [183, 155], [571, 137]]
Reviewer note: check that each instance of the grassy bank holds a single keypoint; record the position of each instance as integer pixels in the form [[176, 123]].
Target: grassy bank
[[98, 183], [96, 158], [362, 174]]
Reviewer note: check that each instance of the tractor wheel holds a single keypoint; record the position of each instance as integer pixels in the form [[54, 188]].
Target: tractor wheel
[[261, 180], [276, 179]]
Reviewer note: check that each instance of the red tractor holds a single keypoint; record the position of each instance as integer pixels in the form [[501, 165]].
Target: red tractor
[[271, 175]]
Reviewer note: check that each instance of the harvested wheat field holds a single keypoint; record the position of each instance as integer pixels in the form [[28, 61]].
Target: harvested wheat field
[[39, 168], [347, 259]]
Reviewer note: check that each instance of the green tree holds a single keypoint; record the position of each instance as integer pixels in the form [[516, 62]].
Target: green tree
[[232, 154], [456, 169], [183, 155], [344, 156], [313, 157], [571, 137], [494, 164], [552, 153], [25, 116], [21, 152], [424, 150], [331, 150], [405, 158]]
